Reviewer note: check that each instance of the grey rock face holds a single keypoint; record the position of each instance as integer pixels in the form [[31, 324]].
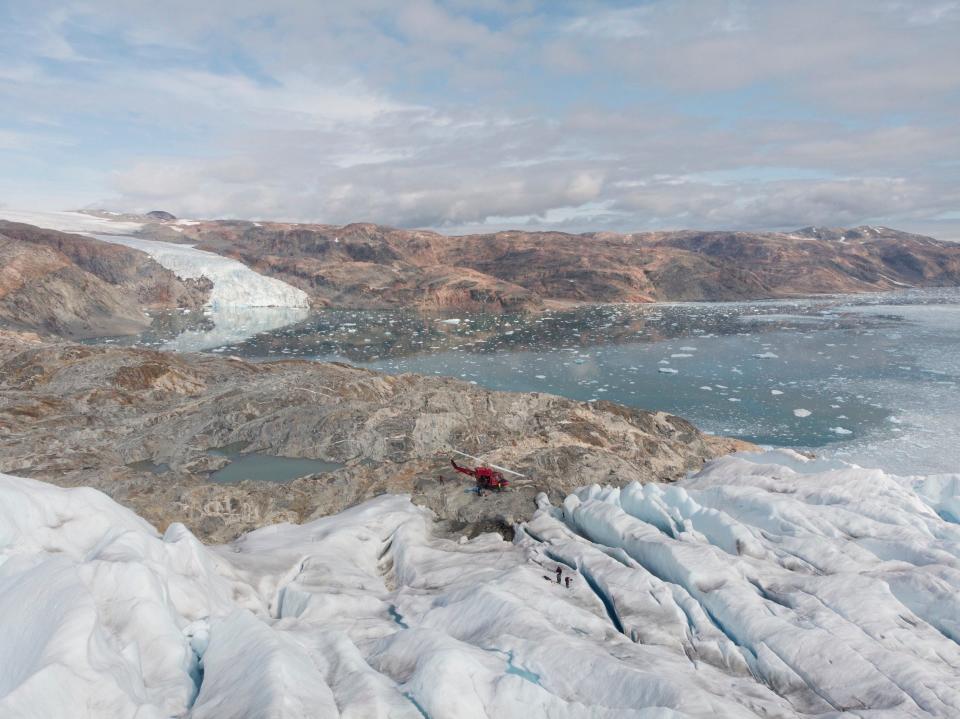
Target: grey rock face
[[81, 415], [161, 215]]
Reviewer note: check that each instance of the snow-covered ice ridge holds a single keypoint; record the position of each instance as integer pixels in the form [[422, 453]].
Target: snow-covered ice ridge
[[234, 284], [766, 585]]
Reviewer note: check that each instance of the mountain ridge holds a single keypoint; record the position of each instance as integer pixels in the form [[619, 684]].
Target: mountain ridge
[[107, 288], [365, 265]]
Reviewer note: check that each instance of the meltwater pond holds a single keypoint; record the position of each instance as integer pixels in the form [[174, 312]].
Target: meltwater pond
[[869, 378], [264, 467]]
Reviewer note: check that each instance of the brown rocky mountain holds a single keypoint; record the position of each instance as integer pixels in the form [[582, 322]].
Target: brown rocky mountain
[[77, 286], [365, 265]]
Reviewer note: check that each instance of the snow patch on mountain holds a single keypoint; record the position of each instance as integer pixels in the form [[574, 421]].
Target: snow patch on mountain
[[79, 222], [766, 585]]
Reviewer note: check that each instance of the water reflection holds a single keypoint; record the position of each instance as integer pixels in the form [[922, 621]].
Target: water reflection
[[227, 325]]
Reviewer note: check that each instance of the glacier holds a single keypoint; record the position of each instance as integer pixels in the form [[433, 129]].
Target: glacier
[[765, 585], [242, 303], [234, 284]]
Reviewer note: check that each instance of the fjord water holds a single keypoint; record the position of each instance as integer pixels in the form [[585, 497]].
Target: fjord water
[[871, 379]]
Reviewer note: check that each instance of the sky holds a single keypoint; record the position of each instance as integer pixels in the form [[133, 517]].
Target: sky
[[467, 116]]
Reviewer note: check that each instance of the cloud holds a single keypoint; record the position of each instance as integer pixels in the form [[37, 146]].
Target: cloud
[[462, 115], [620, 23]]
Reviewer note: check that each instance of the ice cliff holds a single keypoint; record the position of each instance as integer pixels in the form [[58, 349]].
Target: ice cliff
[[765, 585], [234, 284]]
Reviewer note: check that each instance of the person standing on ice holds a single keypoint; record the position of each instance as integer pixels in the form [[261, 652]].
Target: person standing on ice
[[567, 581], [559, 572]]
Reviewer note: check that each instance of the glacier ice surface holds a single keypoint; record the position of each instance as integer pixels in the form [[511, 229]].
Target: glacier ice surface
[[767, 585], [234, 284]]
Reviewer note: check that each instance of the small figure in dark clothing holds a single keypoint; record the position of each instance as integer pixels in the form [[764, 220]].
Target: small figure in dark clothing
[[559, 572], [567, 581]]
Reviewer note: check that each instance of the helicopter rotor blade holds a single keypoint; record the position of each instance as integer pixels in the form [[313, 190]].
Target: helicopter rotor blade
[[477, 459]]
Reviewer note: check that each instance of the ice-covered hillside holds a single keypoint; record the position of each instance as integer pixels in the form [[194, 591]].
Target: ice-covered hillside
[[765, 586], [234, 284], [79, 222]]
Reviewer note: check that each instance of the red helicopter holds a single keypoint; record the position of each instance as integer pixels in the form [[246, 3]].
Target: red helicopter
[[489, 477]]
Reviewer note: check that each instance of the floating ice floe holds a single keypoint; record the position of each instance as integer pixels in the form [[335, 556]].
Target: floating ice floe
[[800, 412]]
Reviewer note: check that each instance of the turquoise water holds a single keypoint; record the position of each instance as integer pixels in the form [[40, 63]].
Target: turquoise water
[[268, 468], [868, 378]]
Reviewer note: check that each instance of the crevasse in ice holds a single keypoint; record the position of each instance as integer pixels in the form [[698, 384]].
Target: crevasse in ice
[[765, 585]]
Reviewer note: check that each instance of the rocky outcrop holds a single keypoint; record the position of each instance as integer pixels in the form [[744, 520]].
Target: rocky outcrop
[[364, 265], [139, 425], [161, 215], [41, 288], [80, 287]]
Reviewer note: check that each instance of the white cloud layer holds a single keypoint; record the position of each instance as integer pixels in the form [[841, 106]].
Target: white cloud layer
[[470, 115]]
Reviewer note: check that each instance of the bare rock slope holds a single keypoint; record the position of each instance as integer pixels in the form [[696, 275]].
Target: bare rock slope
[[80, 287], [82, 415]]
